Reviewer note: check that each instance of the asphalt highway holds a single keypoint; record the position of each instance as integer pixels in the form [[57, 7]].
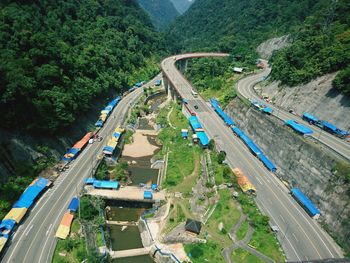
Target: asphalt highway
[[300, 236], [34, 240], [246, 88]]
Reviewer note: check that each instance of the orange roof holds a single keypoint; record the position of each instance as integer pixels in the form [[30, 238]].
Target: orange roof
[[67, 219], [80, 144]]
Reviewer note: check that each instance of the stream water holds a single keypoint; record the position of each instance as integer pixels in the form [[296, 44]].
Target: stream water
[[140, 172]]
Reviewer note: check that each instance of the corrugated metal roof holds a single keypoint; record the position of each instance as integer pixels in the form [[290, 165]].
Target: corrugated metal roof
[[67, 219], [203, 138], [74, 204], [16, 214], [105, 184], [31, 193], [298, 127], [62, 231], [305, 201]]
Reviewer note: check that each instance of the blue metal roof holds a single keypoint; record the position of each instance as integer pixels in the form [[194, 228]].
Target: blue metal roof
[[74, 204], [108, 149], [298, 127], [236, 130], [214, 101], [255, 149], [194, 122], [99, 123], [268, 110], [147, 195], [333, 128], [305, 201], [158, 82], [267, 162], [31, 193], [203, 138], [310, 117], [6, 226], [116, 135], [105, 184], [90, 180]]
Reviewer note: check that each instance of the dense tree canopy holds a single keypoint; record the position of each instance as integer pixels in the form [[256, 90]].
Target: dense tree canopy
[[321, 46], [236, 26], [161, 12], [57, 56], [319, 30]]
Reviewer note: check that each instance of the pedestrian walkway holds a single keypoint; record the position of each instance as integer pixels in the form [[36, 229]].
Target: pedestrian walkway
[[128, 193], [227, 252], [129, 252]]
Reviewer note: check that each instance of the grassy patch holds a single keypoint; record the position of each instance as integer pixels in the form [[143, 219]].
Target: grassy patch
[[209, 252], [242, 256], [73, 247], [242, 231], [225, 212], [177, 119], [128, 136], [99, 240], [182, 156], [266, 242]]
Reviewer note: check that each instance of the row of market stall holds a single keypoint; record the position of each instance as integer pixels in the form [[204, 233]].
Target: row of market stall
[[247, 141], [199, 131], [244, 182], [66, 222], [112, 143], [106, 112], [20, 208]]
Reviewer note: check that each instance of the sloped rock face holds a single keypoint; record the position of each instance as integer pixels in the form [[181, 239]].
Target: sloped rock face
[[266, 48], [301, 162], [317, 97]]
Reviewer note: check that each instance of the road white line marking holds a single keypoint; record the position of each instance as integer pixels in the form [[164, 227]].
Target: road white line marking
[[80, 157], [295, 237], [257, 178], [48, 229], [30, 228], [282, 218]]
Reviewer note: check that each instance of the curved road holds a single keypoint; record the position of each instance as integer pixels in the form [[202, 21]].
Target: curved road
[[34, 240], [246, 88], [300, 236]]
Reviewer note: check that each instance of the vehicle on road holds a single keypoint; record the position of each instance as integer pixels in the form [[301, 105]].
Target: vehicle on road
[[194, 93]]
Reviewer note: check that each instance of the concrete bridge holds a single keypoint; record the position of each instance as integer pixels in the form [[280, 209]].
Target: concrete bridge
[[122, 223], [129, 252], [128, 193], [178, 90]]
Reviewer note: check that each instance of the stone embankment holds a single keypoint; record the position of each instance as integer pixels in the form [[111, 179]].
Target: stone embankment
[[302, 163]]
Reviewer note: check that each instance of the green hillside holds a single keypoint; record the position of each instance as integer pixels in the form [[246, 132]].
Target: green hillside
[[161, 12], [319, 31], [57, 56], [322, 45]]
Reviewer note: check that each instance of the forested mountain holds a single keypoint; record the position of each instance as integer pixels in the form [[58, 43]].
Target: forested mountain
[[182, 5], [322, 45], [161, 12], [319, 31], [57, 56], [237, 26]]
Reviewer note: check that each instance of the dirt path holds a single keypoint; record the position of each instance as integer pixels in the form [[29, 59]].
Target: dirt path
[[227, 252]]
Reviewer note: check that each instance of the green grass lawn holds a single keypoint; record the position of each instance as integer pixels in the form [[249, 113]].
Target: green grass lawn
[[73, 247], [243, 256], [242, 231], [267, 243], [226, 212], [200, 253]]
